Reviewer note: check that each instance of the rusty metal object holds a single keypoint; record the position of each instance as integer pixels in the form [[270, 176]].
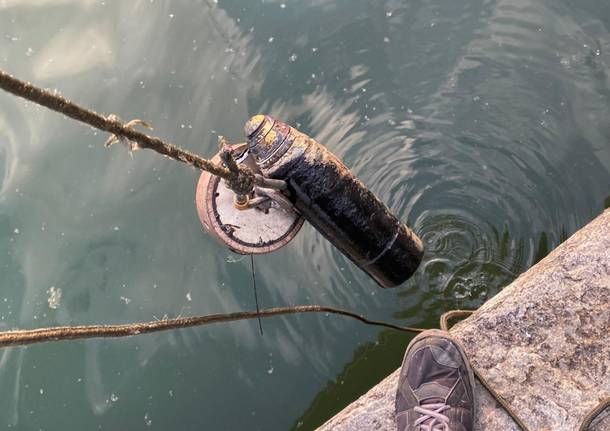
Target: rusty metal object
[[335, 202], [248, 230], [241, 202]]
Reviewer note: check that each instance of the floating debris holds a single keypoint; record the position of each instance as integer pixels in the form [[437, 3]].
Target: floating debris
[[54, 298], [125, 300]]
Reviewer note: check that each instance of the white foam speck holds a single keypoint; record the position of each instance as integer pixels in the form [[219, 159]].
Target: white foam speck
[[54, 298]]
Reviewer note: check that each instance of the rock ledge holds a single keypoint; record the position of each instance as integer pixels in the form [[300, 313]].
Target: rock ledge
[[543, 343]]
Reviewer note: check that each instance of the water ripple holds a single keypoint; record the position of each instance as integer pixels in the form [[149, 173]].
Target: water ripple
[[482, 124]]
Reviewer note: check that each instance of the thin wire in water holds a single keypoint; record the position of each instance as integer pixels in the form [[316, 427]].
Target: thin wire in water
[[260, 322]]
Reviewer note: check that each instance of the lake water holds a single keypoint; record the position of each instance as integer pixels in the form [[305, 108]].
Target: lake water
[[483, 124]]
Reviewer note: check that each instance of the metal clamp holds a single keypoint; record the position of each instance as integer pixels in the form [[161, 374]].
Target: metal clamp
[[247, 195]]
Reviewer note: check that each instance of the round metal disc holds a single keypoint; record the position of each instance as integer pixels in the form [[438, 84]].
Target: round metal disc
[[249, 231]]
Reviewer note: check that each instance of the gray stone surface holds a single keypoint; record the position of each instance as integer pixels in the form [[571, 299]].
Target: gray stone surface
[[543, 343]]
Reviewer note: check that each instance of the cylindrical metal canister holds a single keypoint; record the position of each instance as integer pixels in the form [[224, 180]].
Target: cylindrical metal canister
[[335, 202]]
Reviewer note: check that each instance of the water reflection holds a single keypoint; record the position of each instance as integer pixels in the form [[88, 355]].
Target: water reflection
[[481, 124]]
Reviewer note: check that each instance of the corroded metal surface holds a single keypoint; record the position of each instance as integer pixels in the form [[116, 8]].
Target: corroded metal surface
[[335, 202], [248, 231], [543, 343]]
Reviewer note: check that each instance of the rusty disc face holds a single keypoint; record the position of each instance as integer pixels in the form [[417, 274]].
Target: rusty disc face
[[249, 231]]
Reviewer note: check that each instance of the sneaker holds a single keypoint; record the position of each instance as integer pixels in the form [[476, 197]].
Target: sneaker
[[436, 386]]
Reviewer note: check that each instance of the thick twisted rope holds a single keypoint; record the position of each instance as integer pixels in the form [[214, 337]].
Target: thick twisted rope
[[117, 128], [61, 333], [241, 178]]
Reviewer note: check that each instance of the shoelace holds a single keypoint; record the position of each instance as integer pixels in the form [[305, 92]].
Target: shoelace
[[433, 413]]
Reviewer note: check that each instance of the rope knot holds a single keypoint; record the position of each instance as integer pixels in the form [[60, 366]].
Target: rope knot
[[243, 179], [242, 182]]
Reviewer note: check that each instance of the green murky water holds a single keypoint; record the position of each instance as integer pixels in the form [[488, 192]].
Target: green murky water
[[483, 123]]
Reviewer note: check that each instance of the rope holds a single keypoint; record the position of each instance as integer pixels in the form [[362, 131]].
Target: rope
[[242, 179], [444, 325], [112, 124], [593, 413], [586, 422], [62, 333]]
